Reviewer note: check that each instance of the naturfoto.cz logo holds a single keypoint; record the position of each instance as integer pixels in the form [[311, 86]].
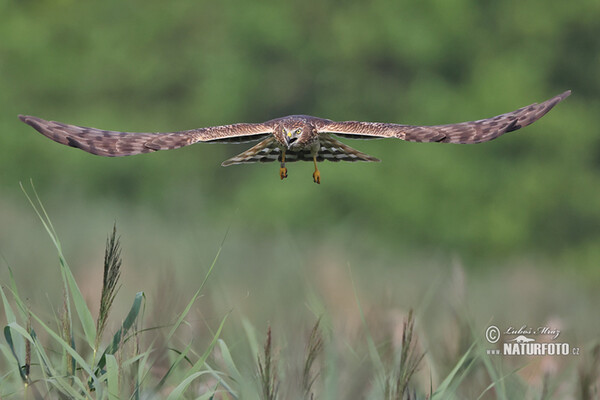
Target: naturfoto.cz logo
[[525, 341]]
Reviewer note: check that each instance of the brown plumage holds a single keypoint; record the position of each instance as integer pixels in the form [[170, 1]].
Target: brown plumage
[[291, 138]]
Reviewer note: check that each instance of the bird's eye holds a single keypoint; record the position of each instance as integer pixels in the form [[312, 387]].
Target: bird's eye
[[298, 131]]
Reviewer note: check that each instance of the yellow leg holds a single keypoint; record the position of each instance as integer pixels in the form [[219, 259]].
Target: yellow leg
[[283, 169], [316, 174]]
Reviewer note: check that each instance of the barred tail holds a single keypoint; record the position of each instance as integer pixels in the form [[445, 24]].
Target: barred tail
[[265, 151]]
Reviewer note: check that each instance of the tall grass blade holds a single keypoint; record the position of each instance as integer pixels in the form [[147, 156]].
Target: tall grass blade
[[218, 376], [82, 363], [16, 344], [177, 393], [8, 311], [19, 356], [251, 335], [139, 362], [118, 338], [229, 363], [112, 377], [83, 312], [180, 357], [59, 381], [496, 381], [450, 382], [209, 395], [15, 293], [195, 372], [191, 302], [200, 363]]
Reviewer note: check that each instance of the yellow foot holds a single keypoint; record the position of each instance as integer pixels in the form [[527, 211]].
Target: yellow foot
[[317, 177], [283, 172]]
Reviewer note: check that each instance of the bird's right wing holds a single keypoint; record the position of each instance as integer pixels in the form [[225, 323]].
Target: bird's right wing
[[114, 144]]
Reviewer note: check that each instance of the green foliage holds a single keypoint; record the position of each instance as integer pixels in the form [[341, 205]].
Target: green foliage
[[526, 198], [127, 366], [79, 373], [157, 66]]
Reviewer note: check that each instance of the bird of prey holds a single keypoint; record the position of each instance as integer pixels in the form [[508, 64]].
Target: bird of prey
[[291, 138]]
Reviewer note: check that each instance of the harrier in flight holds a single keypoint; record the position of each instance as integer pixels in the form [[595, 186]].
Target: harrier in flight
[[291, 138]]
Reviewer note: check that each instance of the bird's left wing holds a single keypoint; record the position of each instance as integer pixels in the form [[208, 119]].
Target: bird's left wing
[[114, 144], [465, 132]]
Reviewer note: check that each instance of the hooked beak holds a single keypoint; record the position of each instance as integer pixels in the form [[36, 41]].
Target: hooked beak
[[290, 140]]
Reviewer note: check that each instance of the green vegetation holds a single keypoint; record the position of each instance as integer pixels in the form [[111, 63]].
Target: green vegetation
[[70, 360], [501, 233], [159, 67]]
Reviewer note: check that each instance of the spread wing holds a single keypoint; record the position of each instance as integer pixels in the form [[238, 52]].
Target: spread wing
[[113, 144], [466, 132]]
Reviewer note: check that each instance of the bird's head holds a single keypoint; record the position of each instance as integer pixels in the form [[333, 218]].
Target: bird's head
[[295, 134], [292, 135]]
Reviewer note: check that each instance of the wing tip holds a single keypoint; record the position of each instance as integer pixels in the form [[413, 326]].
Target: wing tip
[[27, 118], [549, 104], [35, 122], [564, 94], [558, 98]]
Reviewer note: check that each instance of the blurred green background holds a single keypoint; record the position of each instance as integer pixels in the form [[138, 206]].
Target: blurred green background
[[527, 201], [149, 66]]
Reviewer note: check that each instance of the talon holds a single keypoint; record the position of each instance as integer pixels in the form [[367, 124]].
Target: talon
[[283, 169], [316, 174], [317, 177]]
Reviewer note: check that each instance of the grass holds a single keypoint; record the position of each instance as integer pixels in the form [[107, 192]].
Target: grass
[[267, 371], [130, 356]]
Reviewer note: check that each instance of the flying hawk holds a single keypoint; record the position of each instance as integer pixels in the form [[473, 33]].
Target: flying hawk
[[291, 138]]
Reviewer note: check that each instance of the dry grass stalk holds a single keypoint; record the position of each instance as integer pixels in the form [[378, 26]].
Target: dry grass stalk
[[27, 366], [267, 370], [66, 332], [112, 273], [410, 358], [313, 350]]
